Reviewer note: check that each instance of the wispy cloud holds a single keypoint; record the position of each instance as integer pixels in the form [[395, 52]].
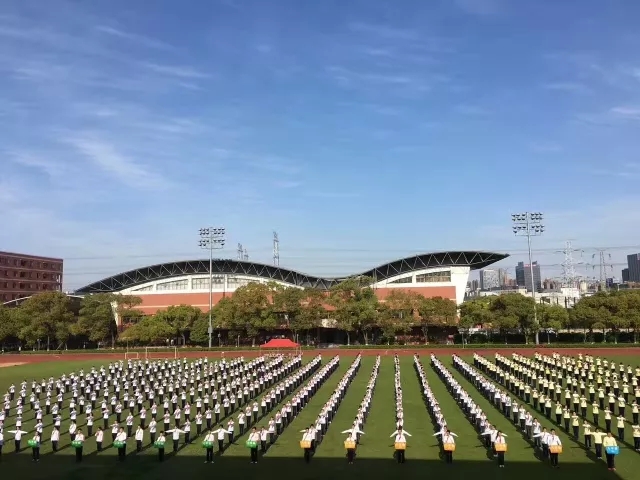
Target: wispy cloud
[[50, 167], [127, 170], [481, 7], [570, 87], [471, 110], [139, 39], [180, 71], [626, 112]]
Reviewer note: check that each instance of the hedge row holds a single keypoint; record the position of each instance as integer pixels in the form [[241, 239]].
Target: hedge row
[[480, 346]]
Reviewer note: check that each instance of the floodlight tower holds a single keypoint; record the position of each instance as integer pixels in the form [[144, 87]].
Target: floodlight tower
[[530, 225], [211, 239]]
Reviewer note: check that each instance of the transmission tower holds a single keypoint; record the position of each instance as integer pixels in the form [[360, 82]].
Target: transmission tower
[[569, 278], [245, 255], [276, 250], [603, 256], [240, 252]]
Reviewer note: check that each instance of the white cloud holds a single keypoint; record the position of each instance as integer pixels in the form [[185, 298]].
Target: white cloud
[[179, 71], [480, 7], [626, 112], [140, 39], [38, 162], [569, 87], [127, 170]]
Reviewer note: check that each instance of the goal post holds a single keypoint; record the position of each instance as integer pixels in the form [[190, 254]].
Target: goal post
[[132, 355], [160, 353]]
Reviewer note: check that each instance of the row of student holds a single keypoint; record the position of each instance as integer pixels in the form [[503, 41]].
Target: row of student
[[579, 377], [274, 395], [570, 417], [117, 433], [156, 379], [549, 443], [313, 435], [494, 438], [446, 438], [589, 363], [356, 429], [549, 440], [266, 436], [77, 404], [575, 396]]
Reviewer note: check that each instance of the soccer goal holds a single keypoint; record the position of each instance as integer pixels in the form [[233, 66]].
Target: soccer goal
[[160, 353], [131, 356]]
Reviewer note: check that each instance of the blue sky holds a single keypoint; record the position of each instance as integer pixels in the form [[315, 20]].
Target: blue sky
[[361, 131]]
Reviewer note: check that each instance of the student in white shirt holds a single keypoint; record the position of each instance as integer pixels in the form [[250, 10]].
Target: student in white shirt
[[17, 438], [35, 450], [79, 438], [448, 438], [254, 436], [264, 435], [121, 436], [209, 437], [308, 437], [175, 436], [500, 440], [99, 439], [554, 441], [139, 436], [400, 437], [220, 432], [160, 441], [55, 438]]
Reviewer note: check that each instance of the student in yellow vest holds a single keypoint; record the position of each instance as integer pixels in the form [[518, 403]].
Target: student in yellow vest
[[636, 437], [587, 434], [620, 423], [610, 441], [575, 425], [607, 419], [501, 440], [598, 436], [566, 416], [595, 410], [559, 414], [634, 412]]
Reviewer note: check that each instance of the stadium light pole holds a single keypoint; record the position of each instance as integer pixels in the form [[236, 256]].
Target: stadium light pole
[[530, 225], [211, 239]]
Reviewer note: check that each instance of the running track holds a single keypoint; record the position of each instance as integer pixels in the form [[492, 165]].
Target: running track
[[88, 357]]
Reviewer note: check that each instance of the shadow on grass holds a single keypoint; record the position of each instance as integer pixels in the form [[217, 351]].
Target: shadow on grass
[[145, 466]]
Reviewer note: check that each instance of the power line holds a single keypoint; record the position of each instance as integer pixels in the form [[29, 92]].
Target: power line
[[397, 252]]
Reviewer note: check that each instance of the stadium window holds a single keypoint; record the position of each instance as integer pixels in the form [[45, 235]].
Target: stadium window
[[404, 280], [174, 285], [144, 289], [434, 277]]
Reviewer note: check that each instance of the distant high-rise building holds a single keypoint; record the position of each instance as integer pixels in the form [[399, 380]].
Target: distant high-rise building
[[489, 279], [24, 275], [475, 285], [633, 262], [523, 276], [503, 277], [625, 274]]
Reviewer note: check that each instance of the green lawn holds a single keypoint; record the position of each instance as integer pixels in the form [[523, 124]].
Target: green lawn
[[374, 457]]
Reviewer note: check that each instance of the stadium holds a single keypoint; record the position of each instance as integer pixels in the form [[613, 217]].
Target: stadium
[[439, 274]]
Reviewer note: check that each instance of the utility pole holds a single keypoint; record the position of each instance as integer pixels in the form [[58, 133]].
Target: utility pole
[[530, 225]]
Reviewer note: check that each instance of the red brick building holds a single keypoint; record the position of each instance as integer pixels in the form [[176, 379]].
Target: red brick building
[[25, 275]]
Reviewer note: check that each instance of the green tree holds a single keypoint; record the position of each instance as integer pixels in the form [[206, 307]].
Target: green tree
[[181, 318], [476, 312], [253, 311], [46, 317], [287, 303], [9, 326], [552, 317], [200, 330], [127, 308], [151, 330], [96, 320], [513, 311], [313, 311], [436, 312], [355, 307]]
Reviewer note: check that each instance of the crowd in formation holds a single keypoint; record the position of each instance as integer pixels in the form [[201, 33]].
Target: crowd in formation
[[353, 438], [313, 435], [137, 404], [160, 398]]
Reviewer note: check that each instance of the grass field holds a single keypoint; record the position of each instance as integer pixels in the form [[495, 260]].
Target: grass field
[[374, 455]]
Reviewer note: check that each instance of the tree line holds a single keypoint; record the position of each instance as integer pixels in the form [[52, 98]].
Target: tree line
[[53, 320], [608, 313]]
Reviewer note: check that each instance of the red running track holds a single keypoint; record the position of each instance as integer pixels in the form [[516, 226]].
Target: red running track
[[88, 357]]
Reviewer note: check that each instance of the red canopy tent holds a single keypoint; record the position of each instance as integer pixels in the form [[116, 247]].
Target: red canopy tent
[[280, 345]]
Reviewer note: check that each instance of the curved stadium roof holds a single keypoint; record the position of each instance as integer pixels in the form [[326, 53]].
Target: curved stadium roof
[[139, 276]]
